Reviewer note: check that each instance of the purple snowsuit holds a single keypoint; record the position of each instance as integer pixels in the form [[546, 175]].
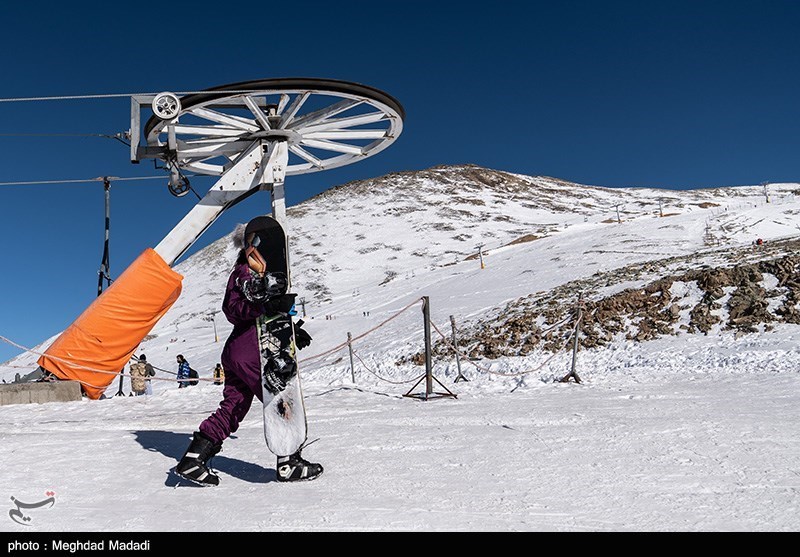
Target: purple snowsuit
[[240, 359]]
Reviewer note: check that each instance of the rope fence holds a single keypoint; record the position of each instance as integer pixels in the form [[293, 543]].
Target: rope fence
[[95, 370], [338, 347], [362, 335], [516, 374], [383, 378]]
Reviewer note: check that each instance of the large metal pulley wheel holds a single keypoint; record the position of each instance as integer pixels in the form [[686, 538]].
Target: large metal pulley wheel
[[325, 123]]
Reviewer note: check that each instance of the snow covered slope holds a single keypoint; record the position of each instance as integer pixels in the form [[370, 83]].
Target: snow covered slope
[[374, 246]]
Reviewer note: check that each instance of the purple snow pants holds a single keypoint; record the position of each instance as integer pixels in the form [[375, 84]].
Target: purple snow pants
[[241, 360], [242, 381]]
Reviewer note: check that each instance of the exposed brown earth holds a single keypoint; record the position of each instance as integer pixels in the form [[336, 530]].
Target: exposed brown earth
[[748, 289]]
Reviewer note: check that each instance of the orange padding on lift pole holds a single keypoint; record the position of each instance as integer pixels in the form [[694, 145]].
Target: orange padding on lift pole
[[109, 331]]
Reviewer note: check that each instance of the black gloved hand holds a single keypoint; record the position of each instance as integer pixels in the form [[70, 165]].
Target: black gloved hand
[[301, 337], [280, 304], [260, 289]]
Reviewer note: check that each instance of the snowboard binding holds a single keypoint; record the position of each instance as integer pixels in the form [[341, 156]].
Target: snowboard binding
[[278, 371]]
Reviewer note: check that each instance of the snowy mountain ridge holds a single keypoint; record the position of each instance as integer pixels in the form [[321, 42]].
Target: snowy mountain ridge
[[412, 221]]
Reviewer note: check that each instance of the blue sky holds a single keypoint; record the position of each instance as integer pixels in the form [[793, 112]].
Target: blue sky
[[621, 94]]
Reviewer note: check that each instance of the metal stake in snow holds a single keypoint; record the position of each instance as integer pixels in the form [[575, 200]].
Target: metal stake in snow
[[352, 365], [460, 376], [576, 334], [428, 377]]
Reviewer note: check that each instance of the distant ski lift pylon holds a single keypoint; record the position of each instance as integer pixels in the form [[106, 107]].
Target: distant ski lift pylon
[[251, 135]]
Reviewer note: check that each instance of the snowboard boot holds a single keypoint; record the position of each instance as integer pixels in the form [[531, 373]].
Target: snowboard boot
[[294, 468], [194, 464]]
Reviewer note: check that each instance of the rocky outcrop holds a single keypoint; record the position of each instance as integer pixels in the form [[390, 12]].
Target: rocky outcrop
[[746, 292]]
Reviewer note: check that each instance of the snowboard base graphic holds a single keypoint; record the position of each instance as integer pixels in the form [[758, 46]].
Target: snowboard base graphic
[[285, 427]]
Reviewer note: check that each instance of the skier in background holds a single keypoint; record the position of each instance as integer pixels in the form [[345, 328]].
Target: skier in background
[[219, 375], [250, 293], [183, 372]]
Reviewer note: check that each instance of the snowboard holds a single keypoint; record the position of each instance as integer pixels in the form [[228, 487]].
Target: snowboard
[[285, 426]]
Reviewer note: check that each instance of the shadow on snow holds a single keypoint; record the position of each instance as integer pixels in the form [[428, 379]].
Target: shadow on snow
[[173, 445]]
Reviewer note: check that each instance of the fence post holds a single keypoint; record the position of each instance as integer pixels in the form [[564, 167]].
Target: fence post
[[429, 378], [352, 366], [426, 314], [455, 349], [121, 377], [579, 315], [214, 322]]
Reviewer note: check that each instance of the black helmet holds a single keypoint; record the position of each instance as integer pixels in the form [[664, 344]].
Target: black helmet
[[265, 235]]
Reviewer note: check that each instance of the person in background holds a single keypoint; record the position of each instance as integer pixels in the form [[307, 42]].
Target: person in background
[[219, 375], [148, 373], [183, 372], [138, 375]]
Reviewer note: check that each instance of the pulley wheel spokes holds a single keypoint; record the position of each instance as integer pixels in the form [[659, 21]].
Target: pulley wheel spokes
[[325, 123]]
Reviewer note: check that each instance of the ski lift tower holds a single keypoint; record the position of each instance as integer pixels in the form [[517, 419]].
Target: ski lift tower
[[251, 135]]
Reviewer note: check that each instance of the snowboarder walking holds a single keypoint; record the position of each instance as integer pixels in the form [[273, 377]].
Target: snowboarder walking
[[250, 293]]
